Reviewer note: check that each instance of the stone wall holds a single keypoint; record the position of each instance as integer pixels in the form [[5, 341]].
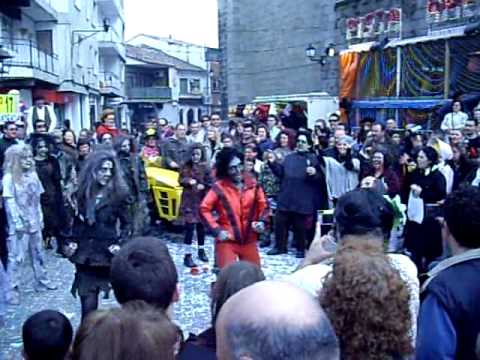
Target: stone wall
[[263, 47]]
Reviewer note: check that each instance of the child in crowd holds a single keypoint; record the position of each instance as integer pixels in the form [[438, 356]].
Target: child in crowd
[[196, 181]]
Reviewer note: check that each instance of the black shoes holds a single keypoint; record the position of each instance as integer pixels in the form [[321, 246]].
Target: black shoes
[[276, 251], [188, 261], [202, 255]]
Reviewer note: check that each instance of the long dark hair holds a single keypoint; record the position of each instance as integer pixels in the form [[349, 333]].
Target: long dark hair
[[87, 189], [118, 141], [231, 280], [223, 160]]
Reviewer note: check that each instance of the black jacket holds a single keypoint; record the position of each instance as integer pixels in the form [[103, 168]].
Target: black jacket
[[134, 175], [458, 290], [5, 143], [299, 192], [94, 240]]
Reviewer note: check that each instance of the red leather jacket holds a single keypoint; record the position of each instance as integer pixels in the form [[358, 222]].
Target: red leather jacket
[[236, 209]]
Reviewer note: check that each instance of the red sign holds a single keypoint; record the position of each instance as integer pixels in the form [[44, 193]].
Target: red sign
[[439, 11], [370, 26]]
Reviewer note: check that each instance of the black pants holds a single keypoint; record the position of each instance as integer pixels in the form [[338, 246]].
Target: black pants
[[89, 304], [424, 242], [282, 221], [189, 228]]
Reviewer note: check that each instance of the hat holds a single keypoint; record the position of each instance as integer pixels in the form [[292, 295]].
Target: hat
[[151, 133], [361, 211]]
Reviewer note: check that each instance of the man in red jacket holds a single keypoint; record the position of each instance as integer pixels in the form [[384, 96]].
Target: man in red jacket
[[241, 211]]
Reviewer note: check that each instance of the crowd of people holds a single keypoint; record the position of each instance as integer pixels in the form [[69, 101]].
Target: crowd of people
[[391, 276]]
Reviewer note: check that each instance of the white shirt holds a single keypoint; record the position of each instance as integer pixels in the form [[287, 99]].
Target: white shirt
[[454, 121], [311, 279], [41, 116]]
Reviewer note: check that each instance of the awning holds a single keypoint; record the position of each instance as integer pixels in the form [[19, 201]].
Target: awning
[[399, 104], [433, 36], [53, 96]]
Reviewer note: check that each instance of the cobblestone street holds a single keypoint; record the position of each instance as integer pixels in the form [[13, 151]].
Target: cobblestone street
[[191, 313]]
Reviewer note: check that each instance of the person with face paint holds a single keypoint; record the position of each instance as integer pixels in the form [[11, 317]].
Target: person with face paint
[[49, 172], [241, 208], [196, 181], [134, 175], [298, 198], [102, 199], [21, 194]]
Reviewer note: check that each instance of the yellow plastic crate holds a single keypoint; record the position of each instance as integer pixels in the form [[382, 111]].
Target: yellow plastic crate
[[166, 191], [167, 201]]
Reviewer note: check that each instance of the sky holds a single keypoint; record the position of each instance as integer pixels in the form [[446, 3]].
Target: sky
[[192, 21]]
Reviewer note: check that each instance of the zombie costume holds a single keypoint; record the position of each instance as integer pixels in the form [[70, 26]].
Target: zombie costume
[[94, 231], [190, 205], [135, 177], [236, 210], [25, 223], [100, 226], [52, 200]]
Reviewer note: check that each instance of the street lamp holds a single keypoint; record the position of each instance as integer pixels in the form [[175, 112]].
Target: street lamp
[[311, 53], [105, 28], [4, 55]]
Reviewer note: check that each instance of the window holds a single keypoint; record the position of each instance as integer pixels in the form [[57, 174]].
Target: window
[[180, 115], [195, 86], [44, 41], [183, 86], [215, 85], [6, 31]]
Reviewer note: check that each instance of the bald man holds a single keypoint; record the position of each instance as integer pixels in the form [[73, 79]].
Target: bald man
[[274, 320]]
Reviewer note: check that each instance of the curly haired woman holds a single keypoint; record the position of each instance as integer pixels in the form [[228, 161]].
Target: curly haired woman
[[368, 304]]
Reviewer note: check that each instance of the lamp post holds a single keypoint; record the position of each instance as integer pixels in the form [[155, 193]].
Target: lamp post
[[4, 55], [105, 27], [311, 53]]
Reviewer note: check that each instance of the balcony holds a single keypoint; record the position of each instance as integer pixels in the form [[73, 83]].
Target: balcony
[[111, 44], [113, 8], [192, 95], [29, 62], [149, 94], [41, 10], [111, 84]]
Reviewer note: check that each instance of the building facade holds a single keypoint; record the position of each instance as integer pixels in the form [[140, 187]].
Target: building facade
[[203, 57], [263, 48], [162, 86], [408, 59], [69, 52]]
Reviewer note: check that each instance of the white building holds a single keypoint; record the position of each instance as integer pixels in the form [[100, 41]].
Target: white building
[[62, 51], [163, 86], [201, 56]]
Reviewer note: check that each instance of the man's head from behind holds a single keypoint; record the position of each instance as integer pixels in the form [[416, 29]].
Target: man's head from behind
[[47, 334], [144, 270], [462, 218], [364, 212], [274, 320]]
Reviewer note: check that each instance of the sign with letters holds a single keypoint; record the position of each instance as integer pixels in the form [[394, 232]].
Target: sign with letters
[[373, 25], [9, 109]]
